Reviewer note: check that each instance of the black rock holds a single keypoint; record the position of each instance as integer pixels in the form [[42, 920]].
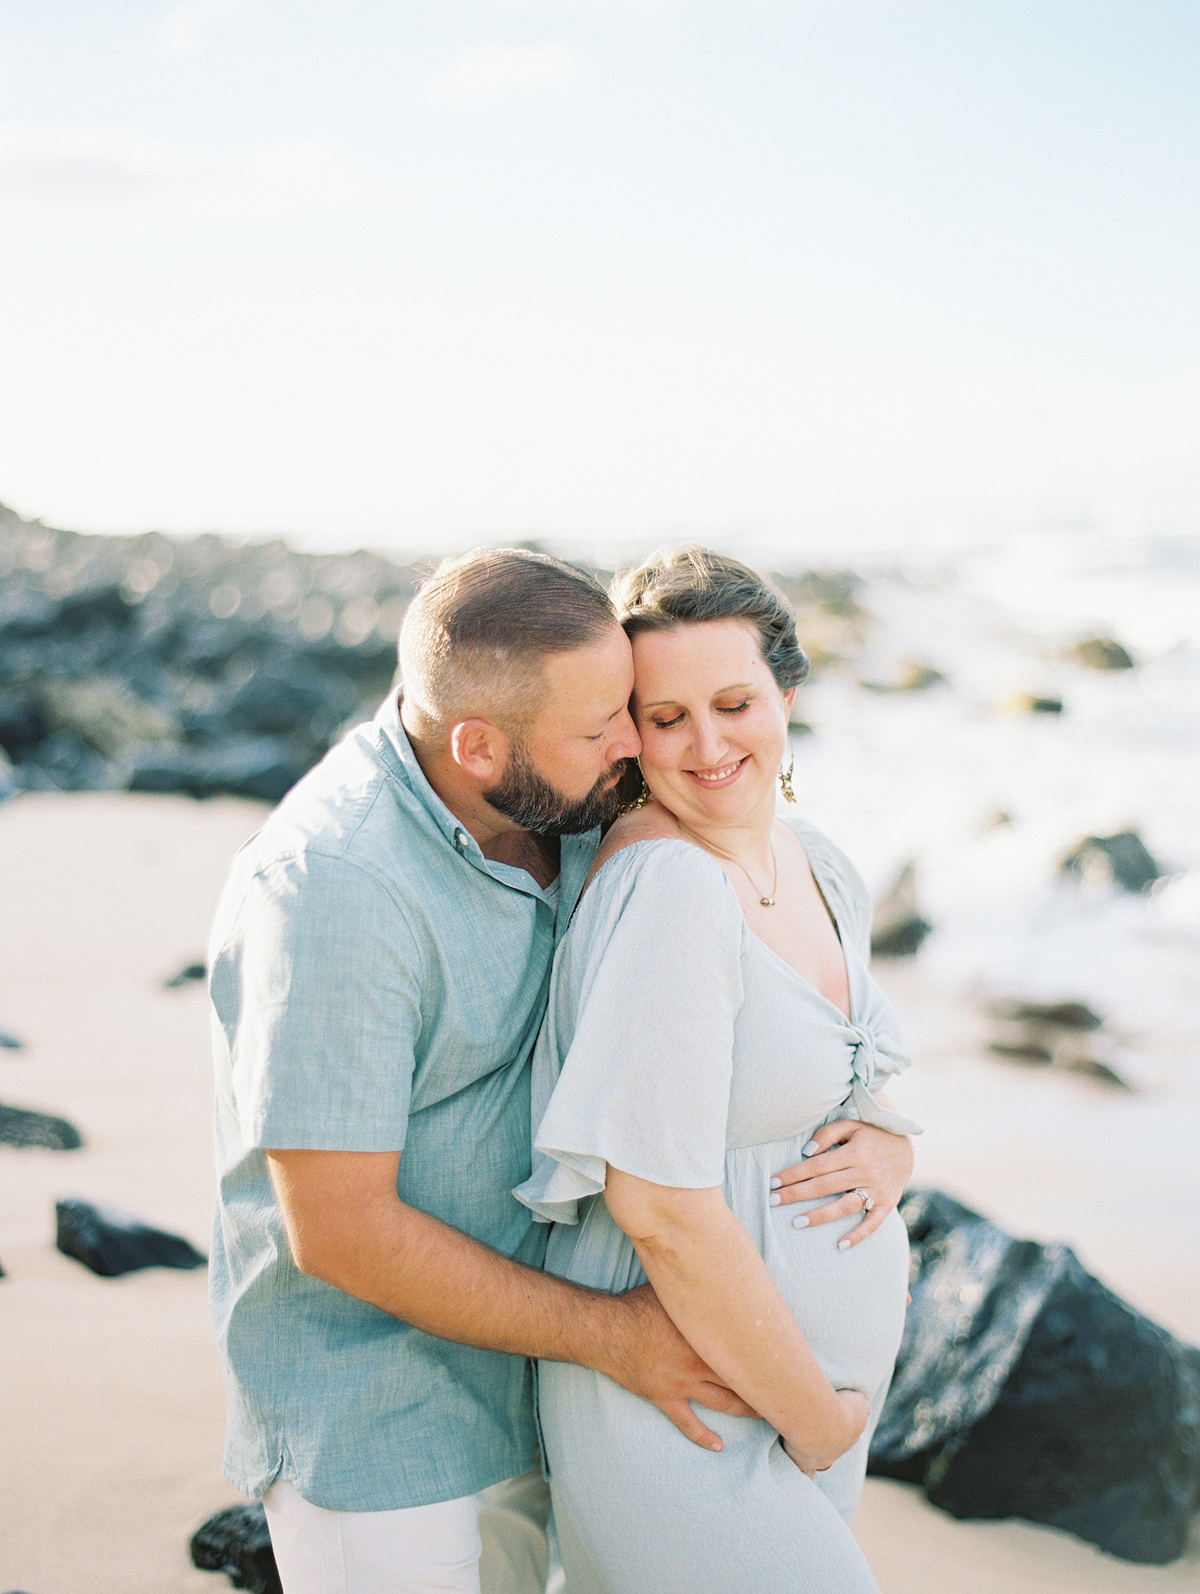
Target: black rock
[[897, 928], [1102, 653], [1062, 1015], [22, 723], [111, 1241], [1123, 856], [41, 1130], [189, 973], [1026, 1388], [262, 767], [902, 939], [236, 1541], [292, 697]]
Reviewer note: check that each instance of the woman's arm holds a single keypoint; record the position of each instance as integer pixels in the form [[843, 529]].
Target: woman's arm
[[716, 1289]]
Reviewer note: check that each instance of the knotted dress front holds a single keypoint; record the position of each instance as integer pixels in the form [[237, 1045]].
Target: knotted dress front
[[680, 1048]]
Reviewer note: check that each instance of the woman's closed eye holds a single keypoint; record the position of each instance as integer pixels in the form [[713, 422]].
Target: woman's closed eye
[[733, 708]]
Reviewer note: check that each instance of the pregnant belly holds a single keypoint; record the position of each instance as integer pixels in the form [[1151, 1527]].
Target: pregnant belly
[[849, 1304]]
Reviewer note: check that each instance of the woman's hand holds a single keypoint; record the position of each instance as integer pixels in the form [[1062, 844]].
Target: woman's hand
[[848, 1156], [856, 1412]]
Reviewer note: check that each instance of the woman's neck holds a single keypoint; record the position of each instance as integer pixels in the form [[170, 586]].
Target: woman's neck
[[747, 844]]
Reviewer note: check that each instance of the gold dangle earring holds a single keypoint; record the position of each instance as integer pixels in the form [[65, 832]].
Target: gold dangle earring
[[785, 781]]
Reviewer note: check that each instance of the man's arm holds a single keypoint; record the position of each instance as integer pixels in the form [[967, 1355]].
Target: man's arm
[[347, 1226]]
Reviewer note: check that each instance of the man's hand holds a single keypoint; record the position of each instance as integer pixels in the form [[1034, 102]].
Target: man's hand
[[848, 1156], [652, 1360]]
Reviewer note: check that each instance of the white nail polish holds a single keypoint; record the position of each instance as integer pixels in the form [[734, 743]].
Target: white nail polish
[[773, 1201], [775, 1183], [843, 1245], [812, 1147], [800, 1223]]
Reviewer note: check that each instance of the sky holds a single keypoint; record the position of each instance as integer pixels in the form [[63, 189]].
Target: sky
[[422, 275]]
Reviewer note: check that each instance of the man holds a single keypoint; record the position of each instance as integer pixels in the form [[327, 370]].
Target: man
[[379, 965]]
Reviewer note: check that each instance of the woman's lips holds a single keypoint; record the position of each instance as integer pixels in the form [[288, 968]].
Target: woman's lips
[[713, 779]]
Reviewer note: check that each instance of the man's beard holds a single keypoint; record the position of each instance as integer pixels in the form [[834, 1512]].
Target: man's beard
[[530, 801]]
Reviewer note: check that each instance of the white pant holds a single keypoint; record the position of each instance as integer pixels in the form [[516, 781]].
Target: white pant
[[493, 1542]]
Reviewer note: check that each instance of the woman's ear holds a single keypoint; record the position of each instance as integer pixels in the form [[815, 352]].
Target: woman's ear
[[789, 697], [480, 750]]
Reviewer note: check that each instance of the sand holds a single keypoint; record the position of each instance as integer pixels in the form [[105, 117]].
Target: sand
[[113, 1408]]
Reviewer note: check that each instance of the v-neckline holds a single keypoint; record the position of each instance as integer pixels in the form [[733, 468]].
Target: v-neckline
[[846, 1018], [651, 841]]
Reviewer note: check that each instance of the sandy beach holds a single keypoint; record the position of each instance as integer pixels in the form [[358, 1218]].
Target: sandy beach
[[113, 1408]]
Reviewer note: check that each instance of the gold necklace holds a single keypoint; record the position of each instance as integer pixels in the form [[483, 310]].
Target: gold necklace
[[767, 902], [764, 901]]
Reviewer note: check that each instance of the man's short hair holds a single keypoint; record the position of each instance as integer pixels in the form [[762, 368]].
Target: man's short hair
[[475, 635]]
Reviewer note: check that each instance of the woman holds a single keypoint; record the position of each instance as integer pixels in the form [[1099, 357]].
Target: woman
[[710, 1008]]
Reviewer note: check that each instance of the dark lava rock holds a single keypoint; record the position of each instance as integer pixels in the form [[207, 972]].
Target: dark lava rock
[[188, 975], [111, 1241], [897, 929], [41, 1130], [236, 1541], [1063, 1015], [1122, 857], [262, 767], [1102, 653], [1025, 1388]]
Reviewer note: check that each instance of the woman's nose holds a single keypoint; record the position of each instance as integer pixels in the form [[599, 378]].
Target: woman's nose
[[709, 742]]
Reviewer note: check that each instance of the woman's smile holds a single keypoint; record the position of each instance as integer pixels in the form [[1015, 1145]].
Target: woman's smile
[[718, 777]]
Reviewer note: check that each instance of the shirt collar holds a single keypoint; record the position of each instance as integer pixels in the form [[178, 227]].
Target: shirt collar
[[456, 833], [575, 852]]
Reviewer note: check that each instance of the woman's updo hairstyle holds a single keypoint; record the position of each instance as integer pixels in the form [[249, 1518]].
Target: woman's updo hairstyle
[[680, 586]]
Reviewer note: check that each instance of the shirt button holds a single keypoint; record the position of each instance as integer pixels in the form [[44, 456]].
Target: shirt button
[[460, 840]]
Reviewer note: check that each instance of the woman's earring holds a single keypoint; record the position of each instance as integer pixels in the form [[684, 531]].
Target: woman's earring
[[785, 781]]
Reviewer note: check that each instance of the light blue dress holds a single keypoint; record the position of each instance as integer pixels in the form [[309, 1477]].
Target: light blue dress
[[678, 1047]]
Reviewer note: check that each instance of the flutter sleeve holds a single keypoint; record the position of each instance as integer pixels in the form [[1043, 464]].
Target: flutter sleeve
[[634, 1061]]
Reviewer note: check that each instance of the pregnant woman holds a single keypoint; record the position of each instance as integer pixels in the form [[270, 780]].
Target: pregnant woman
[[710, 1008]]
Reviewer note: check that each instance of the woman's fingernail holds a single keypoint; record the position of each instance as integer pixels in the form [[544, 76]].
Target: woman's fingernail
[[800, 1223], [716, 1445], [807, 1151], [843, 1245], [775, 1183], [773, 1201]]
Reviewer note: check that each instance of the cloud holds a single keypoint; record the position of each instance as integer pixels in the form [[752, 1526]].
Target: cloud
[[54, 179], [183, 30], [505, 71]]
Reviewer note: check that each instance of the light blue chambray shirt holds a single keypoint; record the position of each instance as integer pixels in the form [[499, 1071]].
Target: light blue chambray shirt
[[378, 986]]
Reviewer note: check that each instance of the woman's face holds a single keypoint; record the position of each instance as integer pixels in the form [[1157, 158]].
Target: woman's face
[[712, 720]]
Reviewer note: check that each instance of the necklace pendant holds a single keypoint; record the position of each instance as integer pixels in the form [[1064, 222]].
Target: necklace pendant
[[767, 902]]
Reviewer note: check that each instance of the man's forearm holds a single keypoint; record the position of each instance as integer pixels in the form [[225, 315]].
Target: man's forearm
[[426, 1273]]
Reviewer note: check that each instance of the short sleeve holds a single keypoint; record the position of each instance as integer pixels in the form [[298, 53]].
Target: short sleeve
[[634, 1062], [316, 987]]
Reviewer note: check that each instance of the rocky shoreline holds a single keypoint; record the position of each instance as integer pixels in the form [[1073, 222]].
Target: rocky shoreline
[[197, 665], [207, 665]]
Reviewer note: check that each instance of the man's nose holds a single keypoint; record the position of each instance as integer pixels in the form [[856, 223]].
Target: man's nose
[[626, 742]]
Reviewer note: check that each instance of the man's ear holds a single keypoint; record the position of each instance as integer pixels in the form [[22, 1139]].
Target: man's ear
[[480, 750]]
